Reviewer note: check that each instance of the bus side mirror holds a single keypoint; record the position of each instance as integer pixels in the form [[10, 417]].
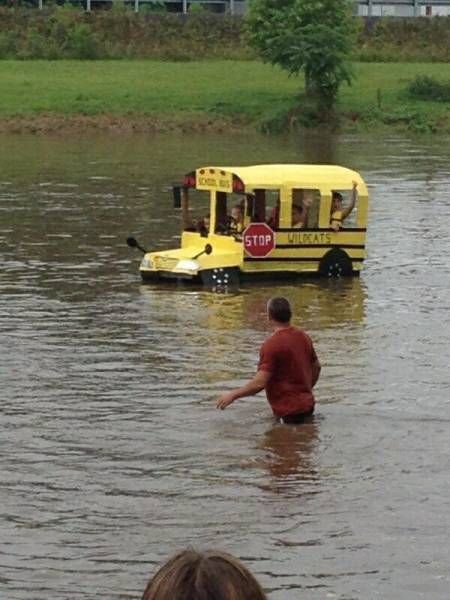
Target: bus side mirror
[[176, 196]]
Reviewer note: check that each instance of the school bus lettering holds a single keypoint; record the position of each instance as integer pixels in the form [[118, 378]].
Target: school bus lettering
[[211, 182], [205, 181], [309, 238], [213, 179]]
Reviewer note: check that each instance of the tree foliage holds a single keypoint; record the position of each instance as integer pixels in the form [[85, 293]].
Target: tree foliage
[[315, 37]]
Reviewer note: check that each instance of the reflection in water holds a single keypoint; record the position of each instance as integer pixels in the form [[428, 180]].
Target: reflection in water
[[326, 302], [320, 147], [113, 455], [222, 333], [291, 455]]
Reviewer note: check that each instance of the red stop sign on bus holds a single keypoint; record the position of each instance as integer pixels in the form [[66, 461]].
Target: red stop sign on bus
[[259, 240]]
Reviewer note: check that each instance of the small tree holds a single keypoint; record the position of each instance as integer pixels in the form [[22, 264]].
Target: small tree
[[313, 36]]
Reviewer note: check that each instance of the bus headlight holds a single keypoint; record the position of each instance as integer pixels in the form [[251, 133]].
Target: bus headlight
[[187, 264], [146, 263]]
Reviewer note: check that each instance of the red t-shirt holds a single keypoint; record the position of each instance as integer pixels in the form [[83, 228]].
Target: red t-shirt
[[288, 354]]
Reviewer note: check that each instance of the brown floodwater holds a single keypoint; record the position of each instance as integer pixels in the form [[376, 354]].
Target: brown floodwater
[[112, 453]]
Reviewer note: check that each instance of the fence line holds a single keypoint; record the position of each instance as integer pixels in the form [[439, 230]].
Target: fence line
[[403, 8], [367, 8]]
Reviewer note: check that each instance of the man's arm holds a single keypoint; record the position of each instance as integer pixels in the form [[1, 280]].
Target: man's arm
[[251, 388], [351, 206]]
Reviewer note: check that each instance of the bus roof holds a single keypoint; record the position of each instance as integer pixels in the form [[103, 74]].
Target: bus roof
[[303, 176]]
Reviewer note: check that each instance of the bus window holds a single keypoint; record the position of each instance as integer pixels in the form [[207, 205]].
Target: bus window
[[195, 209], [305, 208], [256, 206], [221, 212], [344, 206], [258, 213], [231, 211], [272, 207]]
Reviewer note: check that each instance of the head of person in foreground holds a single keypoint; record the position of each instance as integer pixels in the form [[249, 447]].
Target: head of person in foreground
[[209, 575], [279, 310]]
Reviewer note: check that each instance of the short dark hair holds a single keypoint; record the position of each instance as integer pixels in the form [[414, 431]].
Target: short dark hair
[[338, 196], [210, 575], [279, 309]]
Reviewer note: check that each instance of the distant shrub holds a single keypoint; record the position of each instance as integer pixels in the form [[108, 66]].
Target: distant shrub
[[7, 44], [38, 45], [396, 39], [424, 87], [196, 9], [81, 43], [118, 32], [152, 7], [35, 45]]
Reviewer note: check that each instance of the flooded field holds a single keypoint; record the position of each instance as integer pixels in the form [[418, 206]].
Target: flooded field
[[112, 453]]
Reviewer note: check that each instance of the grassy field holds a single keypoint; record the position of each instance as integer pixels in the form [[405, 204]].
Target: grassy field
[[251, 91]]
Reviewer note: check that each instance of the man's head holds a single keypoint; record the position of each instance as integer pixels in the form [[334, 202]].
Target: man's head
[[336, 201], [279, 310]]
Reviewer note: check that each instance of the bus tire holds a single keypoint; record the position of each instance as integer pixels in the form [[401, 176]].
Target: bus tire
[[335, 263], [221, 279]]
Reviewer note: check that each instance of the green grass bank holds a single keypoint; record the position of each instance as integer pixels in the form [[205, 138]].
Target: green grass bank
[[145, 95]]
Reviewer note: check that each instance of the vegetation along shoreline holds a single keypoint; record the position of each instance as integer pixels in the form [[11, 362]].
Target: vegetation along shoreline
[[65, 70], [153, 96]]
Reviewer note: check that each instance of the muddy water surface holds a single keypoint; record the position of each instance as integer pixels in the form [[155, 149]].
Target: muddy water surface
[[112, 455]]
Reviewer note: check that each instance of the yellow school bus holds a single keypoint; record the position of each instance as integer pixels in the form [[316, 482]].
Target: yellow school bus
[[264, 221]]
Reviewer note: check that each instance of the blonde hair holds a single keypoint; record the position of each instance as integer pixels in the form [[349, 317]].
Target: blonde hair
[[210, 575]]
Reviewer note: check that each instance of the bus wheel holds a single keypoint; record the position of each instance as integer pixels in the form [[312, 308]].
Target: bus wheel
[[335, 263], [221, 279]]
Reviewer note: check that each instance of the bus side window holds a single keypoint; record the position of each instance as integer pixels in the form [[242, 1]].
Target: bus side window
[[273, 208], [345, 202], [313, 212], [308, 201], [259, 206], [221, 212]]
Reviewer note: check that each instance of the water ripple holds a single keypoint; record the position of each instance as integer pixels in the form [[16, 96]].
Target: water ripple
[[112, 453]]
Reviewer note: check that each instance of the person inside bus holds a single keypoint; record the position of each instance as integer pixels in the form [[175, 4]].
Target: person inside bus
[[300, 213], [274, 218], [236, 219], [298, 217], [338, 212], [203, 226]]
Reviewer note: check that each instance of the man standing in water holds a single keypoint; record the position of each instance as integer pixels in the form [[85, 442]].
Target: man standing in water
[[288, 369]]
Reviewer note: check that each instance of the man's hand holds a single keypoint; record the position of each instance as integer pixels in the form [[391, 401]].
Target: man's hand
[[254, 386], [355, 184], [225, 400]]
